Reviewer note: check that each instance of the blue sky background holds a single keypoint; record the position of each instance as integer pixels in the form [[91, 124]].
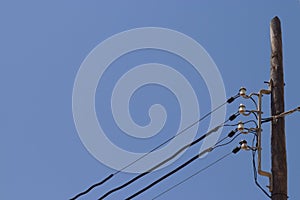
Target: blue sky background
[[42, 46]]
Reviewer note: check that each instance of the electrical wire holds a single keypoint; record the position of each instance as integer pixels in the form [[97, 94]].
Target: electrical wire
[[191, 176], [174, 171], [286, 113], [220, 145], [229, 100], [264, 120], [255, 176], [164, 161], [209, 150], [246, 122], [170, 173], [252, 112], [201, 170], [252, 99], [255, 170], [93, 186]]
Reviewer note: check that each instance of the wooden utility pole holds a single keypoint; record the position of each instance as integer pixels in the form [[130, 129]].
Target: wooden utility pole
[[278, 147]]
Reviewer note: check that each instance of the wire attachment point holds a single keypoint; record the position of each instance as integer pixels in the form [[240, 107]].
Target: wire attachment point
[[236, 149], [232, 117], [242, 91], [231, 99], [232, 133], [244, 145], [241, 126], [242, 108]]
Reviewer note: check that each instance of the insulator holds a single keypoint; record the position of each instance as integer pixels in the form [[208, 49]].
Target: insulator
[[242, 108], [244, 145], [242, 91], [240, 126]]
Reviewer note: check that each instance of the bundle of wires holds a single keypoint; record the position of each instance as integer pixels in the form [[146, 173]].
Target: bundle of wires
[[231, 118]]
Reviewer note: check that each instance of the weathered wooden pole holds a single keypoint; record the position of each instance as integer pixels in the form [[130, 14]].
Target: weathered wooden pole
[[278, 144]]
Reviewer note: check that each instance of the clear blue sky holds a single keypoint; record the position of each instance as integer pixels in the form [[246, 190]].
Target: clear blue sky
[[43, 44]]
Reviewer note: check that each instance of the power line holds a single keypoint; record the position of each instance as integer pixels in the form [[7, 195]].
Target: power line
[[255, 170], [208, 166], [166, 160], [252, 99], [220, 145], [170, 173], [289, 112], [191, 176], [230, 100], [93, 186], [246, 122], [231, 134], [174, 171]]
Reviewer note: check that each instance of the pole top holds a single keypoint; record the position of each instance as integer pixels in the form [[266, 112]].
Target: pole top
[[275, 22]]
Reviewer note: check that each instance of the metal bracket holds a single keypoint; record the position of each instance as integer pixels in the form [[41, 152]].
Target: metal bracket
[[259, 129]]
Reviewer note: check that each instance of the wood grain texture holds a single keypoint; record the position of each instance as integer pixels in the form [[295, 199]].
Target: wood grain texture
[[278, 143]]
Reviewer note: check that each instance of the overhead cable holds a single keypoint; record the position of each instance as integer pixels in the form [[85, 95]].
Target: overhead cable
[[228, 101], [165, 161], [175, 170]]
